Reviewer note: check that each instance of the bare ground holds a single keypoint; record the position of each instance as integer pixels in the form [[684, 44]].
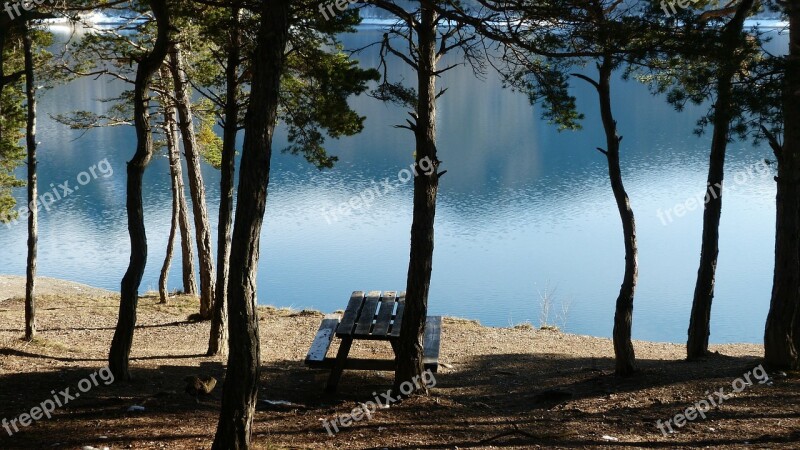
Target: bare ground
[[14, 286], [498, 388]]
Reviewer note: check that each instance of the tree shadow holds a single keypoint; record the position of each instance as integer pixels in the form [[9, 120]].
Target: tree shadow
[[100, 416], [548, 400], [504, 400], [23, 354], [49, 329]]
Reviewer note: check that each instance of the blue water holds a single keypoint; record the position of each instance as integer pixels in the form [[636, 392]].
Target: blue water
[[523, 210]]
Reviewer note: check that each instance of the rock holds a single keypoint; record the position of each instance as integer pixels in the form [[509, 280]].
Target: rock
[[198, 387]]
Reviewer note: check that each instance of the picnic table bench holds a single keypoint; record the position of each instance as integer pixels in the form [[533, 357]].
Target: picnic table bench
[[372, 316]]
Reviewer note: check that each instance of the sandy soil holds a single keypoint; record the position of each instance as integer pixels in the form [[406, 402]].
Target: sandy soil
[[14, 286], [497, 387]]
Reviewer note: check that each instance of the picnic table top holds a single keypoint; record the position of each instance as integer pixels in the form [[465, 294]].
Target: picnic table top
[[373, 315]]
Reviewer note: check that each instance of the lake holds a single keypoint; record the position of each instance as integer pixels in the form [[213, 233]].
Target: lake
[[523, 210]]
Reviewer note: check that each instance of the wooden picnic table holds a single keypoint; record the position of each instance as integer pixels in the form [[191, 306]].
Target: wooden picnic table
[[372, 316]]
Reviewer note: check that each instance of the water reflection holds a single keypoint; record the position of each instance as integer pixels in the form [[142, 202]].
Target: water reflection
[[521, 207]]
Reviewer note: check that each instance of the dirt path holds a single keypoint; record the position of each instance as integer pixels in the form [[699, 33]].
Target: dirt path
[[497, 388]]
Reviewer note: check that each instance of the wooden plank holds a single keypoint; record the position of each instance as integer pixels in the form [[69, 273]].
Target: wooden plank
[[431, 342], [350, 314], [364, 324], [322, 341], [398, 317], [384, 314]]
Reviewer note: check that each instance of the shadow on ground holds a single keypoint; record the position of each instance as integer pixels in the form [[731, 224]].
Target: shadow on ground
[[524, 400], [506, 400]]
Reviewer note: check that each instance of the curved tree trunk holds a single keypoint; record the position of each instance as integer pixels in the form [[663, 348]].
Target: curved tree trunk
[[163, 290], [426, 187], [197, 188], [240, 391], [33, 226], [217, 343], [170, 132], [623, 316], [780, 343], [700, 321], [119, 354]]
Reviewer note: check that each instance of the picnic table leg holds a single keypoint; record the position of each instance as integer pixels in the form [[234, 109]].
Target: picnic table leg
[[338, 366], [396, 349]]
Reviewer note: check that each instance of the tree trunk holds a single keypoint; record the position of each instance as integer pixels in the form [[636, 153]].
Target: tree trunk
[[217, 343], [623, 316], [240, 391], [795, 115], [119, 354], [184, 224], [426, 187], [780, 345], [197, 188], [33, 225], [163, 289], [170, 131], [187, 248], [700, 321]]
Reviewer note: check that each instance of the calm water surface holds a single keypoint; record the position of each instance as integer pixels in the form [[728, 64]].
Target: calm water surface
[[522, 209]]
